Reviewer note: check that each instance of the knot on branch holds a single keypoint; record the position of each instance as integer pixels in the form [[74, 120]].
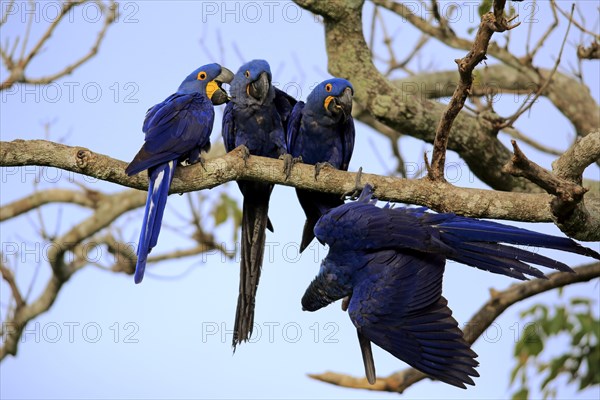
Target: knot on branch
[[567, 206], [83, 158], [592, 52]]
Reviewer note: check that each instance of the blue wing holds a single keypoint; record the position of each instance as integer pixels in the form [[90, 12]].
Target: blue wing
[[398, 305], [347, 130], [284, 103], [470, 241], [228, 128], [173, 128], [293, 127]]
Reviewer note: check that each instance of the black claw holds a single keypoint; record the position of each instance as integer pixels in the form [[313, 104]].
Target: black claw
[[202, 162], [358, 187], [320, 166], [195, 158], [288, 163], [345, 303]]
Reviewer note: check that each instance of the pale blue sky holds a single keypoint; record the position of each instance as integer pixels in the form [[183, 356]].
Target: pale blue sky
[[168, 338]]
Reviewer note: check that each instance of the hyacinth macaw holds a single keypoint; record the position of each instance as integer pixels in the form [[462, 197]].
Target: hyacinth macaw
[[322, 132], [177, 130], [255, 118], [390, 261]]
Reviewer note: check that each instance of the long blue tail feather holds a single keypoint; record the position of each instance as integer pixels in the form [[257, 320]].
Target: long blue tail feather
[[487, 231], [477, 243], [160, 178]]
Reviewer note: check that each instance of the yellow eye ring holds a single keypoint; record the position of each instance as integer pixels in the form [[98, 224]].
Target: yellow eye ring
[[201, 75], [328, 87], [247, 74]]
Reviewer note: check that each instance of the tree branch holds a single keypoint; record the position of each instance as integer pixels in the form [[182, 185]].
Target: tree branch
[[569, 211], [498, 80], [483, 318], [435, 195], [83, 198], [9, 278], [438, 196], [564, 91], [17, 67], [349, 57], [109, 209], [490, 23]]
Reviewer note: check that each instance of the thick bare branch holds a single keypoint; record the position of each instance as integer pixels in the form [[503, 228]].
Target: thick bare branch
[[568, 208], [501, 80], [578, 157], [438, 196], [483, 318], [435, 195]]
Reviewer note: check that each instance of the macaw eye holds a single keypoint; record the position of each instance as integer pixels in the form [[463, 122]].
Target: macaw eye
[[328, 87], [247, 74], [201, 75]]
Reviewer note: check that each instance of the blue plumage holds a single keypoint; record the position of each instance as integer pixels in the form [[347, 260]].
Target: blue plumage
[[390, 261], [256, 118], [322, 131], [177, 130]]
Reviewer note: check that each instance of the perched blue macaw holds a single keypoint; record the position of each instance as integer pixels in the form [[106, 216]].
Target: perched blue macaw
[[322, 132], [390, 261], [177, 130], [255, 118]]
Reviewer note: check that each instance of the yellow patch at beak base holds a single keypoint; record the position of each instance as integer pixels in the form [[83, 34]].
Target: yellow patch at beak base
[[327, 101], [211, 88]]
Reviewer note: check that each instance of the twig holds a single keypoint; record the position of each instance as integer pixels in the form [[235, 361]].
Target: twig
[[516, 134], [528, 104], [531, 54], [8, 7], [110, 209], [483, 318], [415, 50], [577, 25], [17, 67], [490, 23], [9, 278]]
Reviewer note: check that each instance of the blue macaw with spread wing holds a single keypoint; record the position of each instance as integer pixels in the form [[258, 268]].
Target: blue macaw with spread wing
[[322, 132], [177, 130], [256, 118], [390, 261]]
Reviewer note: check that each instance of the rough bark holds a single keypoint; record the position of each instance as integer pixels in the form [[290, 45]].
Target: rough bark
[[439, 196]]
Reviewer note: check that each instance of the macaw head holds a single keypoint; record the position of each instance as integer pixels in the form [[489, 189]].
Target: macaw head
[[333, 97], [208, 80], [252, 83]]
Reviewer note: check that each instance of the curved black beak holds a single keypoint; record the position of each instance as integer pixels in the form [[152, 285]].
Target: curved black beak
[[259, 89], [342, 104], [220, 95]]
